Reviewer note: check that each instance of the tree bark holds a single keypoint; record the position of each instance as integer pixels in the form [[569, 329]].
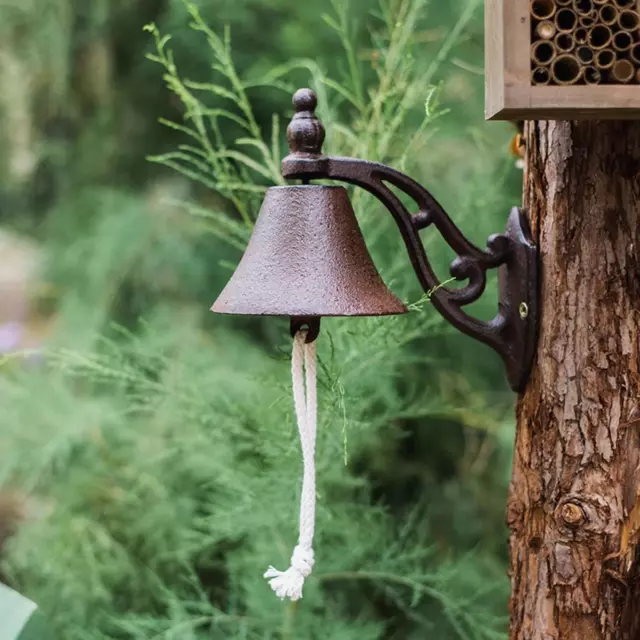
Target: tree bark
[[574, 503]]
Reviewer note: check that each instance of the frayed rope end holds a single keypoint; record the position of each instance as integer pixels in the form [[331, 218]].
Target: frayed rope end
[[289, 583]]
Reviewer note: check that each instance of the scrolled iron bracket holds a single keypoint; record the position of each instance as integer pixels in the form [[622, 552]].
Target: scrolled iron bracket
[[513, 331]]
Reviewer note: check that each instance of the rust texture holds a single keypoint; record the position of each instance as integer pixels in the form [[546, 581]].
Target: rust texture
[[512, 333], [574, 504], [307, 257]]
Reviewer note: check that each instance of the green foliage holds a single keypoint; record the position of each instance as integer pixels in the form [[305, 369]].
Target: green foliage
[[174, 485], [164, 448]]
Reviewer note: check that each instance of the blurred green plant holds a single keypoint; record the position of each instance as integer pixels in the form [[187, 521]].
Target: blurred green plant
[[165, 452]]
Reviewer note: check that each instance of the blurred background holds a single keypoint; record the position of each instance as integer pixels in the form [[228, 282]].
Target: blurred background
[[150, 466]]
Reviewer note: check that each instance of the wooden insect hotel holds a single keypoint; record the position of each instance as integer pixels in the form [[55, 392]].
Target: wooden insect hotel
[[562, 59]]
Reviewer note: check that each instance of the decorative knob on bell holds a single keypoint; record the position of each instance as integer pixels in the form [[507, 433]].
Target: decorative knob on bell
[[307, 258]]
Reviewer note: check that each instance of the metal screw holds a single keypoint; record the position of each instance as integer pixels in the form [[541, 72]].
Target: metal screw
[[523, 309]]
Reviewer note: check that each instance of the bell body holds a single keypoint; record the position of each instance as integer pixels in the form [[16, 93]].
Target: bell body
[[307, 257]]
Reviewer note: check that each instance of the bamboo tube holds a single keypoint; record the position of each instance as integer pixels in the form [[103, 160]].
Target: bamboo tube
[[600, 1], [635, 53], [622, 41], [542, 9], [623, 71], [565, 42], [585, 55], [564, 3], [587, 21], [581, 35], [543, 52], [599, 37], [566, 20], [605, 59], [583, 7], [592, 75], [625, 4], [609, 14], [546, 30], [629, 20], [566, 70], [541, 76]]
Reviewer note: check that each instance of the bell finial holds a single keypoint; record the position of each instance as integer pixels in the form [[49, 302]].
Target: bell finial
[[305, 132], [305, 100]]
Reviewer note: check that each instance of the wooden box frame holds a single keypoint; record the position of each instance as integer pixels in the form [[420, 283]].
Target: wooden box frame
[[509, 93]]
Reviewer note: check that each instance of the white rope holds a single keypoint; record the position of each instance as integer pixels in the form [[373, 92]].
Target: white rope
[[288, 584]]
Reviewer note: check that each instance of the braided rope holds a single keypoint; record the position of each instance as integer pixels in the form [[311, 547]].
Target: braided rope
[[288, 584]]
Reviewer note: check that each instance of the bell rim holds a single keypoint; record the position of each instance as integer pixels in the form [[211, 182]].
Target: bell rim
[[364, 314], [278, 187]]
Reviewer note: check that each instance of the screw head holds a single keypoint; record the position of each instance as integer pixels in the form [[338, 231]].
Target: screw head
[[523, 310]]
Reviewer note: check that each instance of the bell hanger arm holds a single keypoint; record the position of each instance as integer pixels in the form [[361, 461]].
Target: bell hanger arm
[[512, 332]]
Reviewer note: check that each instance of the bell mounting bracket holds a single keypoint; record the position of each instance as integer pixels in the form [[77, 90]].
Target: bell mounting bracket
[[513, 331]]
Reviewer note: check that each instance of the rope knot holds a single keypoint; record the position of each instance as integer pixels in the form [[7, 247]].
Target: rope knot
[[289, 583], [302, 560]]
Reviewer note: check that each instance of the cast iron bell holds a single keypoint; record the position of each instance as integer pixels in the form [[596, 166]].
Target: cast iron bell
[[307, 258]]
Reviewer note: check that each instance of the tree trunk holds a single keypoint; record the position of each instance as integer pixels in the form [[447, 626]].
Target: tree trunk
[[574, 504]]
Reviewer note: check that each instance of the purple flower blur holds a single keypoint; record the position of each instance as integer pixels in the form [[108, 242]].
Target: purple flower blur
[[10, 336]]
